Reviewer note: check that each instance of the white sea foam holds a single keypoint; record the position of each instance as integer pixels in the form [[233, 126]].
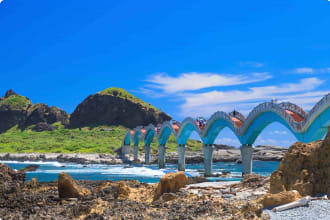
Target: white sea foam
[[52, 163]]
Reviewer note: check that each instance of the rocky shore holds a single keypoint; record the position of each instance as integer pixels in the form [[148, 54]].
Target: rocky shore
[[264, 153], [303, 175], [171, 198]]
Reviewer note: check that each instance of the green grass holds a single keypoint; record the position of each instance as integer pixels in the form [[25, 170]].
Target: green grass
[[15, 102], [85, 140], [122, 93]]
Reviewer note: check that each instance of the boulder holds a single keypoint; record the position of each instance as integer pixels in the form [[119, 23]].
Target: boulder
[[270, 200], [171, 182], [10, 180], [30, 168], [68, 188], [305, 168]]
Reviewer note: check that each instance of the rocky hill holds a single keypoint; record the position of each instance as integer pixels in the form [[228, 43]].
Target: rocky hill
[[115, 106], [19, 110]]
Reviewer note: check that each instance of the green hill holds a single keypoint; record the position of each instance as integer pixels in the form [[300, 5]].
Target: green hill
[[103, 139], [122, 93]]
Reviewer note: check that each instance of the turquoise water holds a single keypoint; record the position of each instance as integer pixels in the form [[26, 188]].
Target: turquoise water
[[48, 171]]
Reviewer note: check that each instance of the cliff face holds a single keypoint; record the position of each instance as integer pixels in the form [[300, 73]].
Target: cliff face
[[13, 110], [18, 110], [115, 106], [305, 168]]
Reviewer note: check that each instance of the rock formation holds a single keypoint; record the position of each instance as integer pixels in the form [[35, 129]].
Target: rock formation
[[13, 110], [68, 188], [18, 110], [41, 113], [270, 200], [115, 106], [10, 180], [305, 168], [171, 182]]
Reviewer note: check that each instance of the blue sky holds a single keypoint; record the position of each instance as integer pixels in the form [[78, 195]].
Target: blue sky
[[189, 58]]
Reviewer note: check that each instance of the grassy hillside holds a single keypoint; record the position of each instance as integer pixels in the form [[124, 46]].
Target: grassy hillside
[[85, 140], [122, 93], [14, 102]]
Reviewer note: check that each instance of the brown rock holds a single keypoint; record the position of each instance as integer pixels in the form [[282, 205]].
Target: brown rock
[[10, 180], [253, 180], [171, 182], [168, 197], [305, 168], [33, 183], [123, 190], [281, 198], [67, 187]]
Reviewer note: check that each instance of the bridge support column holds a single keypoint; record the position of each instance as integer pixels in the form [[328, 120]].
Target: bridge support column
[[161, 156], [246, 154], [147, 154], [125, 150], [181, 157], [208, 154], [136, 152]]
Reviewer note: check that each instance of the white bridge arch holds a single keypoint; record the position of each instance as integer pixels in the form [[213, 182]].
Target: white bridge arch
[[306, 127]]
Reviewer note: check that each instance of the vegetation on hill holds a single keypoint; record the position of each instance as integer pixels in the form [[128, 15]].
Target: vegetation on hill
[[103, 139], [15, 102], [122, 93]]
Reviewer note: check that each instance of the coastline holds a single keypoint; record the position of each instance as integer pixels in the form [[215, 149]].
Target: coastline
[[262, 153]]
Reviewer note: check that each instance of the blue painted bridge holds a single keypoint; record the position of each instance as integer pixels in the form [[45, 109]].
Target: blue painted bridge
[[306, 127]]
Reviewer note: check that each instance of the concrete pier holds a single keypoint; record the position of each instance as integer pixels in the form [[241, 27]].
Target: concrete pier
[[208, 154], [125, 150], [246, 154], [181, 157], [147, 154], [136, 152], [161, 156]]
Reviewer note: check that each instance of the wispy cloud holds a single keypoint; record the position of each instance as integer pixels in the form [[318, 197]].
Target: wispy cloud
[[194, 81], [252, 64], [244, 100], [309, 70]]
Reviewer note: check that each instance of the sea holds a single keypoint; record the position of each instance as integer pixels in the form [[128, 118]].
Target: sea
[[48, 171]]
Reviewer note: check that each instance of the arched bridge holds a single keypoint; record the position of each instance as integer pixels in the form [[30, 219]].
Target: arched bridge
[[306, 127]]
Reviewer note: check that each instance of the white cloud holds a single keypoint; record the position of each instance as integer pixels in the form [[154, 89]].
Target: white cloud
[[304, 70], [228, 141], [1, 1], [252, 64], [277, 132], [244, 99], [195, 81], [309, 70]]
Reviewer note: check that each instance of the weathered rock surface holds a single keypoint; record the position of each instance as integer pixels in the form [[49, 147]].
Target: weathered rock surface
[[43, 203], [30, 168], [18, 110], [270, 200], [171, 182], [305, 168], [13, 110], [41, 113], [10, 180], [68, 188], [100, 109]]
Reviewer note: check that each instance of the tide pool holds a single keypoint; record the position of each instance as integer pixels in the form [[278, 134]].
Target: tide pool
[[48, 171]]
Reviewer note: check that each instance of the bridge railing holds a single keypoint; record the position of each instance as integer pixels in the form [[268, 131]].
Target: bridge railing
[[293, 108]]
